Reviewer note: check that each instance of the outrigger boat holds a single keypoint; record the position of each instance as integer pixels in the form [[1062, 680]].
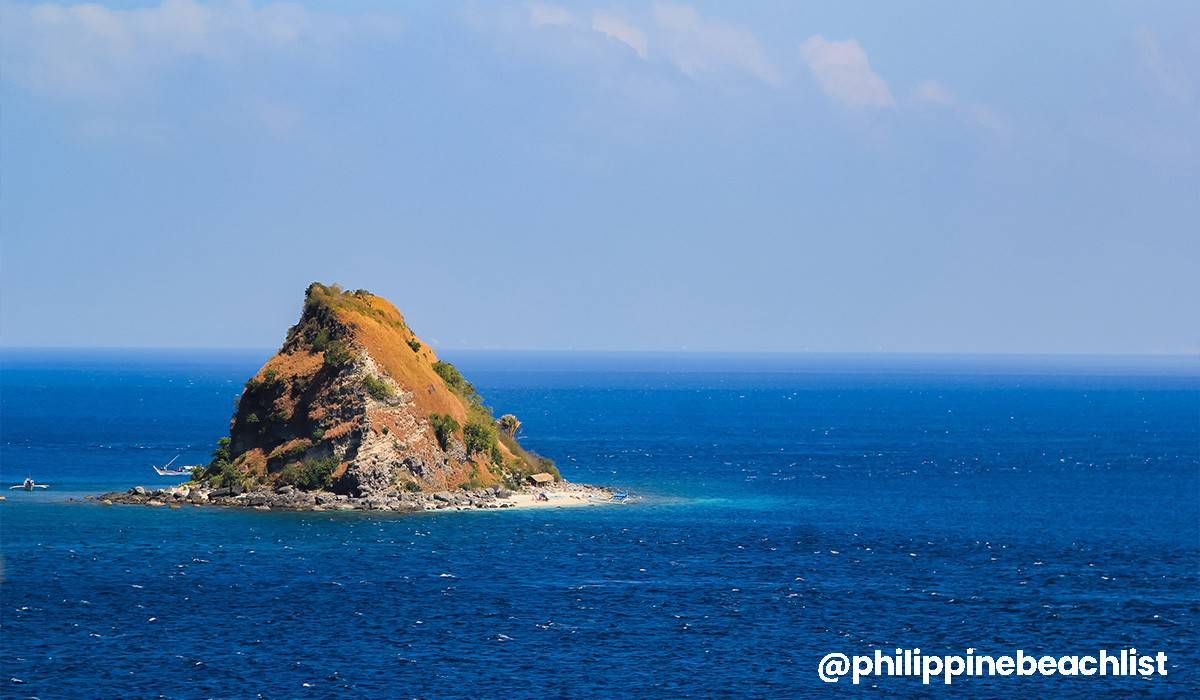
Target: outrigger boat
[[28, 485], [617, 497], [166, 470]]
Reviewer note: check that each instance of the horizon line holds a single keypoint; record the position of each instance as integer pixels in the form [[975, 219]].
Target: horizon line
[[1194, 355]]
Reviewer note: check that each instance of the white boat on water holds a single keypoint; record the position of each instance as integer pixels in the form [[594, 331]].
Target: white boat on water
[[166, 470], [28, 485]]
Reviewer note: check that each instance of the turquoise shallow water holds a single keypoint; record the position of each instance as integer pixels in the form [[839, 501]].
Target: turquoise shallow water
[[792, 506]]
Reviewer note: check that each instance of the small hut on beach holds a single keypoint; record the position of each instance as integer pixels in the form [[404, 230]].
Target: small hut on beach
[[541, 479]]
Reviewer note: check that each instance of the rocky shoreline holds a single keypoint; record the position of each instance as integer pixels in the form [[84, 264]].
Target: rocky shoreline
[[290, 498]]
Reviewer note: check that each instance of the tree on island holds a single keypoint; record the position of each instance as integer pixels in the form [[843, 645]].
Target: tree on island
[[509, 424]]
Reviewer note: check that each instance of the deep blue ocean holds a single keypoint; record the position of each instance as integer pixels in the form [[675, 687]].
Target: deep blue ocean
[[791, 506]]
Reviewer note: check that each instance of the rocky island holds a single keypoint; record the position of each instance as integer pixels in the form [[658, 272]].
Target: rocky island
[[355, 412]]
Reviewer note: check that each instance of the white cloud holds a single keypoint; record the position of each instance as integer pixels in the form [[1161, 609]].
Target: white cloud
[[622, 31], [931, 93], [1164, 74], [987, 119], [92, 51], [844, 73], [700, 47], [542, 15]]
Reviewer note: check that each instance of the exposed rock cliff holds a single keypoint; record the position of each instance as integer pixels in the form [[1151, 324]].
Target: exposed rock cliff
[[356, 403]]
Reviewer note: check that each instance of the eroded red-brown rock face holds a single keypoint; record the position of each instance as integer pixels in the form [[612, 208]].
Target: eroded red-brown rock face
[[355, 402]]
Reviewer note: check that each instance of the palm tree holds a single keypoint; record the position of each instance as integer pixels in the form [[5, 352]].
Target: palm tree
[[509, 424]]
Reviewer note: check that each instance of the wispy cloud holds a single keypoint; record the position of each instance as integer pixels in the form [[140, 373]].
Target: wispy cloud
[[543, 15], [844, 73], [97, 54], [709, 51], [1166, 75], [88, 50], [701, 47], [933, 94], [621, 30]]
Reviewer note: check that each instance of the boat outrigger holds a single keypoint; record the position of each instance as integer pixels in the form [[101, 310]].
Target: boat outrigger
[[617, 497], [28, 485], [166, 470]]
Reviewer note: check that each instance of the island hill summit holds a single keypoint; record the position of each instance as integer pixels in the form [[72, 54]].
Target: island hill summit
[[356, 404]]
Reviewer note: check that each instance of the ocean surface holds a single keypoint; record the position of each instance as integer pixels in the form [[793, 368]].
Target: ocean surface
[[791, 506]]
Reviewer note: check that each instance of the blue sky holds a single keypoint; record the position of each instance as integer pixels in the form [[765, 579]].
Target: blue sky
[[774, 176]]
